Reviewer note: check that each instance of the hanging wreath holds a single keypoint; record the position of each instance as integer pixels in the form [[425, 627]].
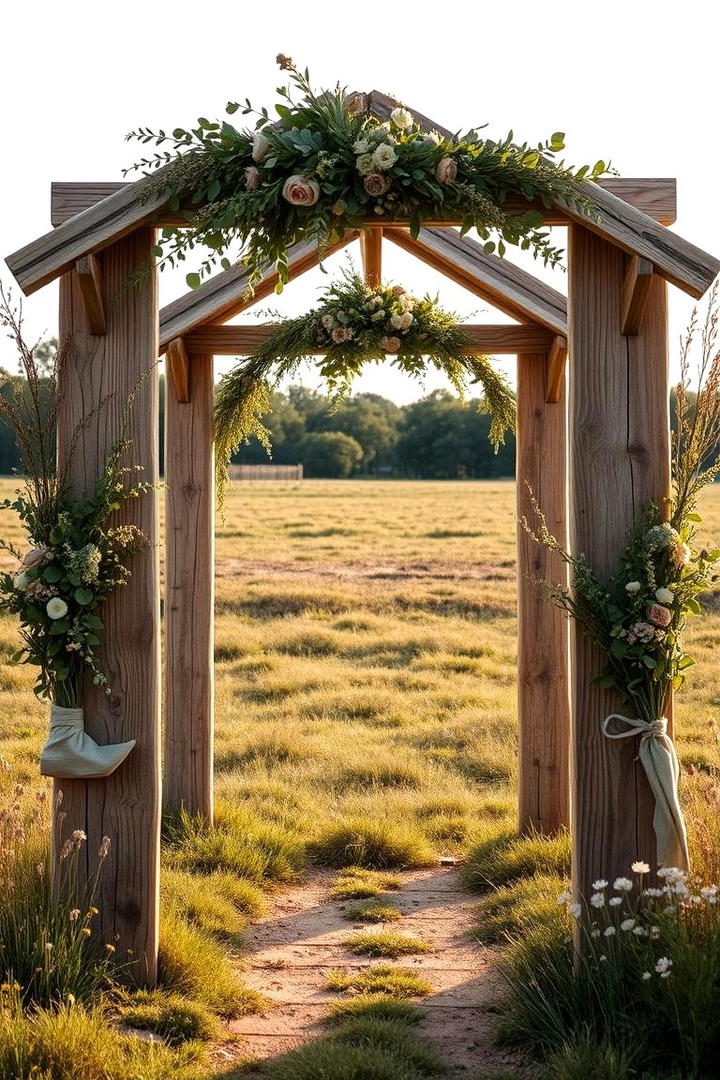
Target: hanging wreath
[[355, 325], [326, 164]]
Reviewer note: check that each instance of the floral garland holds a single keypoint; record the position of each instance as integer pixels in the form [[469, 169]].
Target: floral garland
[[355, 325], [326, 164]]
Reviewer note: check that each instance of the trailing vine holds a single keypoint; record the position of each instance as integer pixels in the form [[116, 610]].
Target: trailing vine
[[325, 164]]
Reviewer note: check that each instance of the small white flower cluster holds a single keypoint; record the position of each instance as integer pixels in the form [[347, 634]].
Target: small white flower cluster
[[391, 311]]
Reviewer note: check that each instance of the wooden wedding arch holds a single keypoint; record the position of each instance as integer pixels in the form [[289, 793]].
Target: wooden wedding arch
[[593, 446]]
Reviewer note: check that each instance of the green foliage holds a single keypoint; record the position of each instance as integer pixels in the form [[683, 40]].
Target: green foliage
[[356, 325], [329, 453], [588, 1058], [376, 1007], [373, 844], [219, 903], [395, 982], [510, 909], [372, 912], [176, 1019], [325, 163], [500, 857], [356, 883], [386, 943]]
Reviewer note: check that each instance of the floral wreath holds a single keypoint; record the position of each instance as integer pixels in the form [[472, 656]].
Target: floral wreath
[[326, 164], [354, 325]]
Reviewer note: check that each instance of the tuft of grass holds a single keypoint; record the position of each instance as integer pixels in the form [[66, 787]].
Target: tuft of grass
[[372, 912], [177, 1019], [361, 1049], [355, 883], [192, 963], [218, 903], [511, 909], [501, 857], [386, 943], [373, 844], [376, 1007], [395, 982], [588, 1058]]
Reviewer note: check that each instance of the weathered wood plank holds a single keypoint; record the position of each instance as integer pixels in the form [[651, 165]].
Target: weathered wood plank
[[635, 293], [371, 250], [178, 369], [225, 295], [189, 594], [543, 638], [98, 378], [494, 340], [619, 457], [555, 374], [500, 282], [90, 282]]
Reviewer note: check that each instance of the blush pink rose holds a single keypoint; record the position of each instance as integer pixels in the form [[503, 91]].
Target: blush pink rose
[[659, 615], [252, 178], [376, 185], [445, 170], [301, 192]]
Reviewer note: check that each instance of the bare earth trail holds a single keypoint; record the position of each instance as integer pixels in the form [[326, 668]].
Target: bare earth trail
[[291, 952]]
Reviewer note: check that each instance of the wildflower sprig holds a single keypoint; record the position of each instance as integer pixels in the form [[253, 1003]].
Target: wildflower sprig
[[325, 163]]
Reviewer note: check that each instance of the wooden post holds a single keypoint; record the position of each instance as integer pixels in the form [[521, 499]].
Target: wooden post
[[371, 251], [100, 374], [189, 574], [619, 457], [543, 641]]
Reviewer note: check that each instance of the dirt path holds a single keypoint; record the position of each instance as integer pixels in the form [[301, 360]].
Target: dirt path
[[292, 950]]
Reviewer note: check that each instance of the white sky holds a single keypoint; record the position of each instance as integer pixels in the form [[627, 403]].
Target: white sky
[[633, 81]]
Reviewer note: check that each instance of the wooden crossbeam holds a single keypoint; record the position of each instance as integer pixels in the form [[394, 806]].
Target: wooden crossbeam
[[178, 369], [225, 295], [371, 251], [500, 282], [555, 375], [493, 340], [636, 285], [89, 275]]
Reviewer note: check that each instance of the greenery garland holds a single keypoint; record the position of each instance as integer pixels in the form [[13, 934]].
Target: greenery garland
[[355, 325], [326, 164]]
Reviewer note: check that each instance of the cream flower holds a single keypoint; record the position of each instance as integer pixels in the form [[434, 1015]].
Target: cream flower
[[260, 147], [361, 146], [601, 883], [446, 170], [384, 156], [665, 596], [402, 119], [396, 321], [21, 580], [364, 164], [627, 924], [407, 320], [328, 321], [640, 867], [301, 192], [56, 608], [622, 884], [632, 587], [433, 137]]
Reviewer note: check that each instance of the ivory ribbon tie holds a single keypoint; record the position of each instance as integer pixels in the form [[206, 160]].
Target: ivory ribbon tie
[[70, 752]]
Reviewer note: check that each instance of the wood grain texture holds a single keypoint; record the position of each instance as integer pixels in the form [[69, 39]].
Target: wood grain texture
[[237, 340], [189, 594], [555, 370], [91, 288], [635, 293], [177, 364], [543, 633], [99, 376], [619, 457], [371, 250], [225, 295], [505, 286]]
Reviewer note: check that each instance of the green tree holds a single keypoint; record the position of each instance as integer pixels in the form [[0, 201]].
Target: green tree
[[371, 420], [330, 454]]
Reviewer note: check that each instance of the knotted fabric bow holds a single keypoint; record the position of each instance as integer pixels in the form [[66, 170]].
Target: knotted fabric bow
[[659, 759]]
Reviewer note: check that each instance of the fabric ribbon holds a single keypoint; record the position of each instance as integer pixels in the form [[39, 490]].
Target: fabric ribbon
[[69, 752], [659, 759]]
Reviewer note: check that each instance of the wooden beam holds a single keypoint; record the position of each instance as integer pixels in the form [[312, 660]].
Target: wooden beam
[[543, 637], [493, 340], [500, 282], [225, 295], [654, 196], [90, 281], [178, 370], [371, 250], [555, 374], [636, 285], [619, 458], [189, 596], [98, 377]]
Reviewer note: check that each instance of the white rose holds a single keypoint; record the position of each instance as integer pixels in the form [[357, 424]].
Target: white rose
[[632, 587], [377, 316], [665, 596], [260, 147], [21, 580], [328, 321], [361, 146], [402, 119], [433, 137], [364, 164], [384, 156], [56, 608], [396, 321]]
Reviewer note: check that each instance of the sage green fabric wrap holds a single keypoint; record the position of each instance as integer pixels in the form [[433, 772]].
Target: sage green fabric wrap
[[659, 758], [69, 753]]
